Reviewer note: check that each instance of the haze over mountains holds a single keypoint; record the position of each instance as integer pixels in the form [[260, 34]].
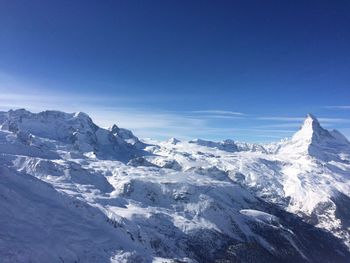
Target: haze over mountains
[[71, 191]]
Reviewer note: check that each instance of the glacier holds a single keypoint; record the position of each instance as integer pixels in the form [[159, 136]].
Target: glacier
[[71, 191]]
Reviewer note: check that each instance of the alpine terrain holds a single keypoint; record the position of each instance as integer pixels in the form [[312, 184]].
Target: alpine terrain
[[71, 191]]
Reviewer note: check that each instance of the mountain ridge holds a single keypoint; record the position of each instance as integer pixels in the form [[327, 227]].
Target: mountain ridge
[[196, 201]]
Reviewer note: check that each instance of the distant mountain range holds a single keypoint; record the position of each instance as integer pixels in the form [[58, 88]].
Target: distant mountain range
[[71, 191]]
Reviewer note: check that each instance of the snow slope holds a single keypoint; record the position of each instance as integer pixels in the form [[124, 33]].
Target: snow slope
[[71, 191], [305, 175]]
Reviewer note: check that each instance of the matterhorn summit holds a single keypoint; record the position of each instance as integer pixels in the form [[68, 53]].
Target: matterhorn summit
[[315, 141], [310, 131]]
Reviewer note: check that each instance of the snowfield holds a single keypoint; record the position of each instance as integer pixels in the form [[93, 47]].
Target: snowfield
[[71, 191]]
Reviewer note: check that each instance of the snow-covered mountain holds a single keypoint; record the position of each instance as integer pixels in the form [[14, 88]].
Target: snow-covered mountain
[[307, 175], [71, 191], [317, 142]]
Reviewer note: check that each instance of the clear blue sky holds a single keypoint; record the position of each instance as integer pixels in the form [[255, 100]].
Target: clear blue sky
[[247, 70]]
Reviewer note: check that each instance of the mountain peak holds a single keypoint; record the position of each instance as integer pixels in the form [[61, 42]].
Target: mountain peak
[[310, 131], [316, 141], [311, 116], [310, 127], [311, 119]]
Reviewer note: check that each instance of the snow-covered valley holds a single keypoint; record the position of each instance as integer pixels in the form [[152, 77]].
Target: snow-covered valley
[[71, 191]]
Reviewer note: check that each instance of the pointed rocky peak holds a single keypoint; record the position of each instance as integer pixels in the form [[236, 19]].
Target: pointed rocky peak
[[311, 123], [313, 140], [310, 130], [311, 116]]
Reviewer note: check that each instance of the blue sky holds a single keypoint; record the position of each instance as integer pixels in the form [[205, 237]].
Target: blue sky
[[246, 70]]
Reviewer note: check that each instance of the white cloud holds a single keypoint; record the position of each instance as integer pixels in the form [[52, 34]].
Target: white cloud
[[334, 120], [282, 125], [219, 112], [339, 107], [300, 119]]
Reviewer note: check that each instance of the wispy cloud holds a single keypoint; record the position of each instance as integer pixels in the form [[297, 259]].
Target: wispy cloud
[[334, 120], [290, 125], [155, 123], [281, 118], [219, 112], [142, 121], [339, 107], [227, 117], [150, 122], [298, 120]]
